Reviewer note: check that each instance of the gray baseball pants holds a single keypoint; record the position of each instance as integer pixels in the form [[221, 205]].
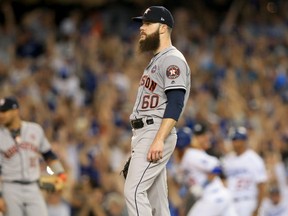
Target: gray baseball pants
[[145, 187]]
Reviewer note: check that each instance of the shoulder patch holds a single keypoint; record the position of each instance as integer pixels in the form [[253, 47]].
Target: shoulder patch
[[154, 69], [172, 72]]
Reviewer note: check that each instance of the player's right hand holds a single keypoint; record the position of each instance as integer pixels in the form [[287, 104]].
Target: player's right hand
[[2, 205], [155, 151]]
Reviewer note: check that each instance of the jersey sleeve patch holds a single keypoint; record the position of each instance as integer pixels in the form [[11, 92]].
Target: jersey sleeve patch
[[173, 72], [154, 69]]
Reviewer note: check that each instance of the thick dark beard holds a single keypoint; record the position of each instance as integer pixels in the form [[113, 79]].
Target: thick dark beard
[[151, 43]]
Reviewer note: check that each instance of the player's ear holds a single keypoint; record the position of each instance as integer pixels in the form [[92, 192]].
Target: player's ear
[[163, 28]]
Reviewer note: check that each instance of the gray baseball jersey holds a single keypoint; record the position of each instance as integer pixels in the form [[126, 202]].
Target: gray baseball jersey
[[19, 160], [167, 70], [20, 157]]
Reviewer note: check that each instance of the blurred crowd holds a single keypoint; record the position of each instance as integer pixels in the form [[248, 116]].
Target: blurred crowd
[[78, 75]]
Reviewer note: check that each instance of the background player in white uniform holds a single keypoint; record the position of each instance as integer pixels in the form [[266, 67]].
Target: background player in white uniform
[[201, 175], [21, 142], [179, 198], [276, 204], [246, 174], [163, 92]]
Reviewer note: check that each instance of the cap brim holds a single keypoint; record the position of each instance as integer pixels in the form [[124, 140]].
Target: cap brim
[[5, 109], [138, 19]]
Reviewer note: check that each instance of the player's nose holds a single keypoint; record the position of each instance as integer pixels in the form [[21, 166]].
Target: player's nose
[[142, 27]]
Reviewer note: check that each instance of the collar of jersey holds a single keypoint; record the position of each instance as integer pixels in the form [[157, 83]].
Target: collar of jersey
[[158, 55]]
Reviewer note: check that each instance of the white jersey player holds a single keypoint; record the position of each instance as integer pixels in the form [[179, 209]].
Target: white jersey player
[[246, 174], [276, 204], [201, 175]]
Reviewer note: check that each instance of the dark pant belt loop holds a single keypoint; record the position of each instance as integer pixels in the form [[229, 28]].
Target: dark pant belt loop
[[150, 121], [23, 182], [138, 123]]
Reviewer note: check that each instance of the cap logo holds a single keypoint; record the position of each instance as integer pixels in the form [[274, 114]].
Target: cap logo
[[162, 19], [2, 101], [242, 130], [198, 127], [147, 10], [154, 69]]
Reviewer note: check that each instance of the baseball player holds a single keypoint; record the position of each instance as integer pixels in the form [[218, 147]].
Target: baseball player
[[178, 192], [21, 144], [246, 174], [162, 95], [201, 175], [276, 204]]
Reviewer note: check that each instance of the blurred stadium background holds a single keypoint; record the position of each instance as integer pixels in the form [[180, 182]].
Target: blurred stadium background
[[74, 67]]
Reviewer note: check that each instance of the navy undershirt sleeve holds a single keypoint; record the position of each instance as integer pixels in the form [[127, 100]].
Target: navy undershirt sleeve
[[175, 104], [49, 155]]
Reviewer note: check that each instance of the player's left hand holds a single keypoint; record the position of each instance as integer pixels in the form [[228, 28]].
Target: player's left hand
[[155, 152], [52, 183]]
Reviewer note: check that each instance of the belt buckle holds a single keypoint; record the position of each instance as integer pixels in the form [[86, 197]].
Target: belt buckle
[[137, 123]]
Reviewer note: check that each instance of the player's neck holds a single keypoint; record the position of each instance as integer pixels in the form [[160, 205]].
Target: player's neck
[[163, 45], [15, 125], [240, 151], [196, 145]]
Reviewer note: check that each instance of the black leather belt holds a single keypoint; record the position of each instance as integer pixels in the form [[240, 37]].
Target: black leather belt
[[139, 123], [23, 182]]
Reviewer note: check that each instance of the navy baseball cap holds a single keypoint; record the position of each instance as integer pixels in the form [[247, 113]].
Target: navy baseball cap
[[156, 14], [184, 136], [239, 133], [8, 103], [199, 129], [274, 190]]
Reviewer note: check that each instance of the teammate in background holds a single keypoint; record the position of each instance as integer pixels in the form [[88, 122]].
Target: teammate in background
[[276, 204], [21, 144], [201, 175], [177, 190], [162, 94], [246, 174]]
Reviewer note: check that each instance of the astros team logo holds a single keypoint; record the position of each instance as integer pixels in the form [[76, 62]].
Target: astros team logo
[[172, 72]]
